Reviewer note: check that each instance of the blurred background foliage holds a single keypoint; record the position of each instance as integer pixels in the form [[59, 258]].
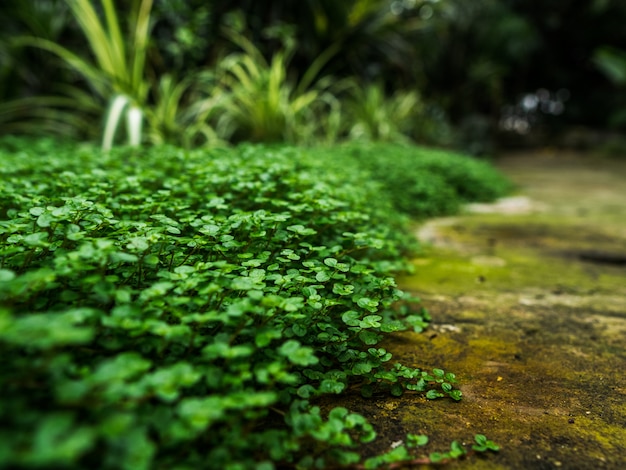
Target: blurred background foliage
[[444, 72]]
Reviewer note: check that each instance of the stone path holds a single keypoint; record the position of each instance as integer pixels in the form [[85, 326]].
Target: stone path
[[528, 298]]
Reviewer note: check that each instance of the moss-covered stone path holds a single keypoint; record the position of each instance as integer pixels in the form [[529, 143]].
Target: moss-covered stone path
[[528, 299]]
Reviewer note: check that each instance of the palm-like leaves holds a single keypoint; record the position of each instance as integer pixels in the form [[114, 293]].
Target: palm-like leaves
[[249, 98], [117, 76], [260, 103], [180, 114], [371, 115]]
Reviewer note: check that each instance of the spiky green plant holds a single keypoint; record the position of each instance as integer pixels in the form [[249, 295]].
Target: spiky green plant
[[371, 115], [117, 74], [181, 111], [259, 100]]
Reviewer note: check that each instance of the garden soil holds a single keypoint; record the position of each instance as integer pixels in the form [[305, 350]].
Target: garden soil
[[528, 299]]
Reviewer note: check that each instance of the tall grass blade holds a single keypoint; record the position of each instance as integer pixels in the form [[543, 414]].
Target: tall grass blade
[[134, 121], [140, 45], [113, 119], [98, 81], [109, 56]]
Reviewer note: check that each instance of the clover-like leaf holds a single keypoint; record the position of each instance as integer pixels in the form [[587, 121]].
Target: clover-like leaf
[[368, 304], [416, 440], [351, 318], [370, 321], [298, 354]]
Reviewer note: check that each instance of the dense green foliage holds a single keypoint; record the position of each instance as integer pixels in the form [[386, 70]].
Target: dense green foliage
[[163, 308], [424, 182], [469, 65]]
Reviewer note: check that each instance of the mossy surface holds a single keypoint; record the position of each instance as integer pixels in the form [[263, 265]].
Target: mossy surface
[[532, 324]]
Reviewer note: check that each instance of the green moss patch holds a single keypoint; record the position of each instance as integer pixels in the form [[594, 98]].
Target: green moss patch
[[535, 332]]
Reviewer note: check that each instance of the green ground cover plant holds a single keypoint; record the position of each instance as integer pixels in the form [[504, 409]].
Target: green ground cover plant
[[424, 182], [165, 308]]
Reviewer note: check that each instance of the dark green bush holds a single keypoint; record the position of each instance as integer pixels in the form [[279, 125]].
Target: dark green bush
[[424, 182], [170, 309]]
